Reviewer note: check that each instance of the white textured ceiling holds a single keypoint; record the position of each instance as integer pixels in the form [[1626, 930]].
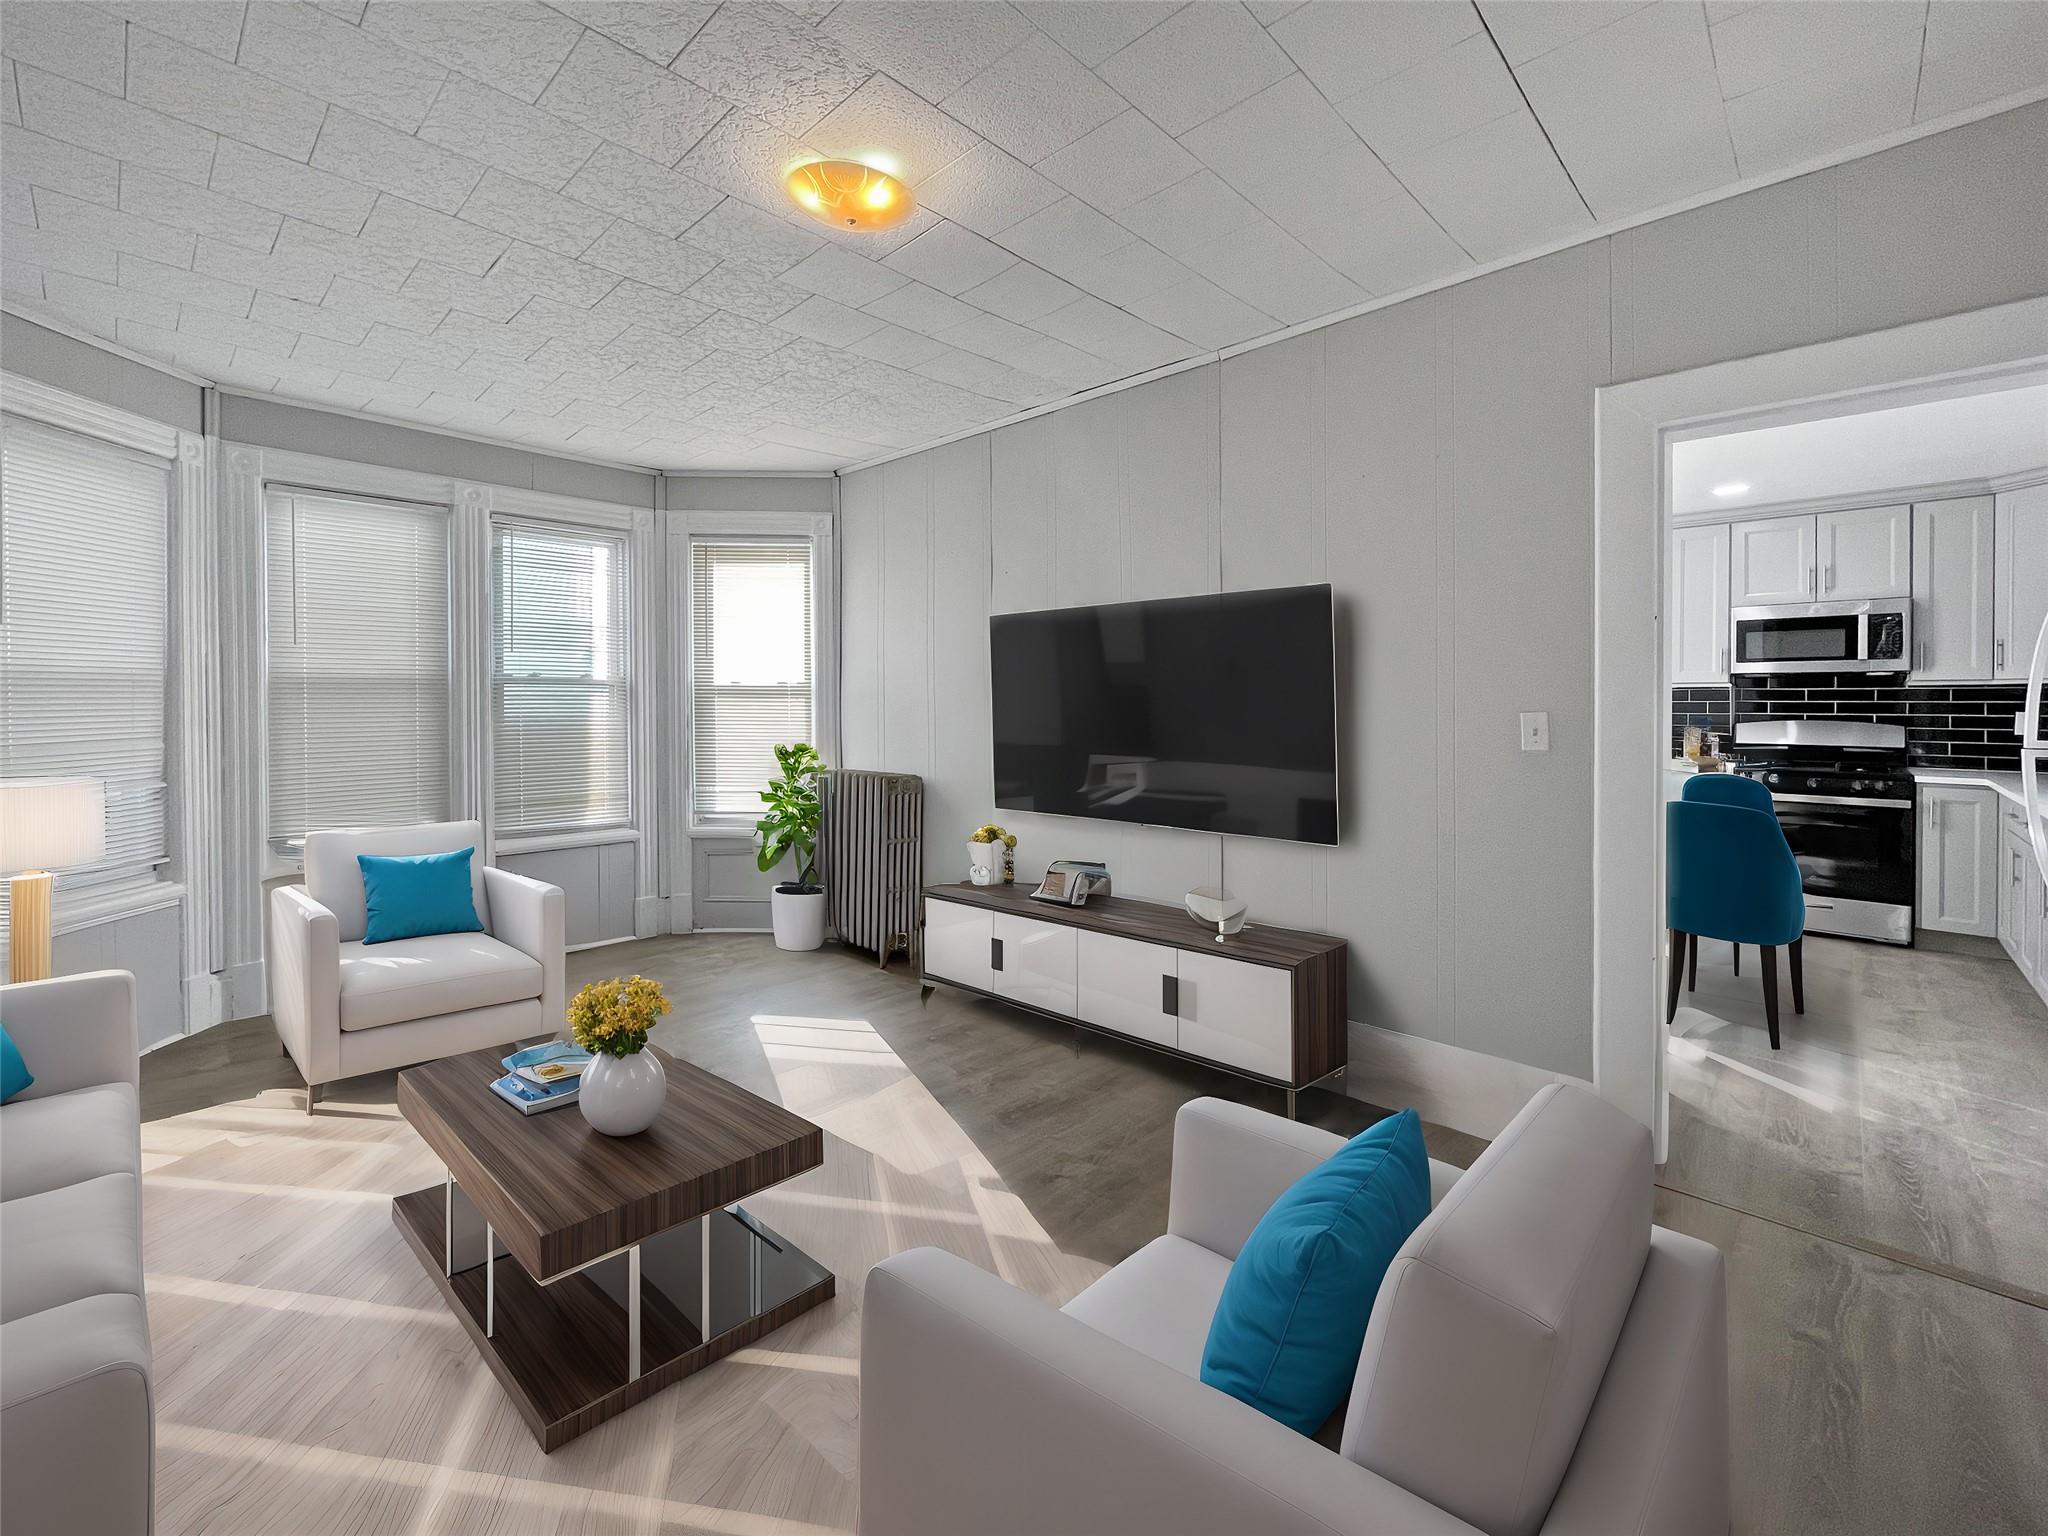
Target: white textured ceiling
[[562, 225]]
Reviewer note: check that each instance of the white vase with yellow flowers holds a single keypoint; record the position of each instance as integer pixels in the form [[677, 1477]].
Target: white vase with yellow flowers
[[624, 1085], [991, 855]]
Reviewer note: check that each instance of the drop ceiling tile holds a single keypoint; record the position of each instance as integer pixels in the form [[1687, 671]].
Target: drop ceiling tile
[[214, 26], [305, 379], [1034, 99], [1388, 247], [951, 259], [1802, 119], [1447, 94], [1634, 110], [991, 336], [112, 230], [343, 254], [55, 251], [895, 344], [1200, 312], [1109, 332], [614, 92], [1130, 272], [1344, 47], [1196, 63], [986, 189], [363, 362], [534, 214], [407, 229], [78, 42], [61, 109], [294, 274], [1782, 40], [741, 290], [512, 45], [10, 100], [1270, 11], [1092, 30], [1122, 162], [744, 156], [1064, 236], [739, 231], [303, 47], [922, 309], [107, 304], [493, 296], [1527, 29], [933, 49], [271, 181], [407, 312], [1022, 293], [887, 125], [834, 324], [367, 151], [202, 357], [874, 244], [199, 88], [572, 282], [17, 206], [1977, 51], [1324, 162], [1497, 189], [170, 201], [657, 32], [1201, 208], [244, 375], [500, 130], [841, 275], [1272, 271], [31, 158], [736, 333], [656, 260], [634, 187], [784, 72]]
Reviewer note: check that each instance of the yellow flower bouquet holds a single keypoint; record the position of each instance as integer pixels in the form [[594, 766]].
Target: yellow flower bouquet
[[612, 1017]]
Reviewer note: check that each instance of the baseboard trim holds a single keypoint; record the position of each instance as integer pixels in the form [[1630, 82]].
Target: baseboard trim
[[650, 916], [1468, 1091]]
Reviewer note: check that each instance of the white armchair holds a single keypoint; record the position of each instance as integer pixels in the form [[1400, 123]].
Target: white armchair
[[343, 1009]]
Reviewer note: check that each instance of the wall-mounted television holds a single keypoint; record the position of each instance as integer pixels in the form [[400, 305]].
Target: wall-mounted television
[[1215, 713]]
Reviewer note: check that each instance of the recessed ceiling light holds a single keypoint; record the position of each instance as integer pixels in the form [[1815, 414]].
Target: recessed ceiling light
[[849, 195], [1732, 488]]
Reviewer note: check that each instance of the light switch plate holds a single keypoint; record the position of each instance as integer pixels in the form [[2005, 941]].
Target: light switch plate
[[1535, 730]]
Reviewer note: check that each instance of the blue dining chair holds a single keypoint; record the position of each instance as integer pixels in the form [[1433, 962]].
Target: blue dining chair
[[1722, 789], [1730, 875]]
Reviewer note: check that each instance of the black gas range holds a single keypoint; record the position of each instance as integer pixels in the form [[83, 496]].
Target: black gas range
[[1844, 796]]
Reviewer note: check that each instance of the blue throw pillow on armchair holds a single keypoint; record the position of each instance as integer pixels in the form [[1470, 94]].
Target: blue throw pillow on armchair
[[408, 896], [14, 1073], [1287, 1332]]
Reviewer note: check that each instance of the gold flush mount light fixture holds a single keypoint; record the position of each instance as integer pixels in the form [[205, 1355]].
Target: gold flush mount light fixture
[[849, 195]]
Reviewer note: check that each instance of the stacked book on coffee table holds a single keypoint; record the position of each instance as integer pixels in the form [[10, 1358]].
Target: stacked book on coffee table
[[542, 1076]]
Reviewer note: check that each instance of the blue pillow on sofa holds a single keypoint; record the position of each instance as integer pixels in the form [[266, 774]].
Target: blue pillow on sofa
[[14, 1073], [409, 896], [1287, 1332]]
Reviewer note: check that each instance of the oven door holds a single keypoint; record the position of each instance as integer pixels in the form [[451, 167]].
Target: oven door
[[1855, 864], [1820, 637]]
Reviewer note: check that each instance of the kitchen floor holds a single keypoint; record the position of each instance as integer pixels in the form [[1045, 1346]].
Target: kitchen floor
[[1906, 1114]]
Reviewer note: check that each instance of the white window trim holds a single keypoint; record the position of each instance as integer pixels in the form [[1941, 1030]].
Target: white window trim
[[189, 875]]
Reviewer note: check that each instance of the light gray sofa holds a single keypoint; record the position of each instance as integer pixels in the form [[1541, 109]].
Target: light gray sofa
[[77, 1421], [1540, 1358]]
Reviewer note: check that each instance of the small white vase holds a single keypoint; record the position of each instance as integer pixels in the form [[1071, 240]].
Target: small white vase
[[621, 1095], [984, 863]]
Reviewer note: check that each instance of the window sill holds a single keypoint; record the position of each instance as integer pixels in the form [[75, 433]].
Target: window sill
[[547, 842], [722, 829]]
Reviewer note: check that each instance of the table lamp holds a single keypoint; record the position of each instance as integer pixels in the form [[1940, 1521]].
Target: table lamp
[[45, 824]]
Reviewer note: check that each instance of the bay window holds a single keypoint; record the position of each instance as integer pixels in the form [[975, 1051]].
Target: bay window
[[752, 663]]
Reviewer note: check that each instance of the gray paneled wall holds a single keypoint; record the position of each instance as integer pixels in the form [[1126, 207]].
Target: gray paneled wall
[[37, 352], [1434, 463]]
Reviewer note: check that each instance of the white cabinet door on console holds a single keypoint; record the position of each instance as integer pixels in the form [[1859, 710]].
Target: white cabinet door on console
[[956, 944], [1130, 987], [1239, 1014], [1035, 962]]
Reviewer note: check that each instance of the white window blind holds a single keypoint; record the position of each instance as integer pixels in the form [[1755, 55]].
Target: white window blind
[[358, 655], [561, 716], [750, 661], [84, 624]]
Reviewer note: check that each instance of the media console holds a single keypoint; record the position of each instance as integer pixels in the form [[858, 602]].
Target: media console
[[1265, 1003]]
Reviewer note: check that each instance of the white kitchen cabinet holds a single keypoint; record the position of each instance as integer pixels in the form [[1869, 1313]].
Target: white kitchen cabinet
[[1958, 860], [1696, 609], [2022, 578], [2033, 925], [1035, 962], [1952, 590], [2013, 854], [957, 944], [1238, 1014], [1130, 987], [1771, 560], [1865, 552]]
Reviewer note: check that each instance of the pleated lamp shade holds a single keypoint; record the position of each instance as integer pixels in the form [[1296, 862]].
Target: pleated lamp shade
[[51, 823]]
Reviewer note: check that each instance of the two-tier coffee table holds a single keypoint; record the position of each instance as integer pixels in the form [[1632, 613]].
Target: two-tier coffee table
[[592, 1271]]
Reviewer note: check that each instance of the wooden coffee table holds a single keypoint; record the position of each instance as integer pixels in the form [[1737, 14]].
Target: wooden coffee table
[[631, 1263]]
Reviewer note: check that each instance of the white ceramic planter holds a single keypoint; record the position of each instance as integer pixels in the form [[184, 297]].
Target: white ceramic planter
[[799, 917], [984, 863], [621, 1095]]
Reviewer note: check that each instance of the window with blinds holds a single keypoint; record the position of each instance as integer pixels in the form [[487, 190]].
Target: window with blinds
[[750, 667], [561, 716], [358, 658], [84, 631]]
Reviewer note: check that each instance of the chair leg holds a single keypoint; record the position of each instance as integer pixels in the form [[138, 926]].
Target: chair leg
[[1770, 967], [1738, 959], [1677, 964], [312, 1096], [1799, 975], [1692, 962]]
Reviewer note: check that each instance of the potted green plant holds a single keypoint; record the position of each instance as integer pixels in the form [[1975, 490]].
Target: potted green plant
[[790, 830]]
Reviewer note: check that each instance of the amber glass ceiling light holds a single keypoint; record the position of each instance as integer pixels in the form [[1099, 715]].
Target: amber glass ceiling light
[[848, 194]]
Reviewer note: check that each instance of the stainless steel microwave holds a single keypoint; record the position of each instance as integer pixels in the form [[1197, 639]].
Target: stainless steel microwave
[[1871, 636]]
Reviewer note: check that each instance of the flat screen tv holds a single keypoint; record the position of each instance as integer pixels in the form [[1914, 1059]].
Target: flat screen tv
[[1215, 713]]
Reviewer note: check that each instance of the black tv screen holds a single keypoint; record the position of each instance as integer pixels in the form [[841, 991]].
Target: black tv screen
[[1215, 713]]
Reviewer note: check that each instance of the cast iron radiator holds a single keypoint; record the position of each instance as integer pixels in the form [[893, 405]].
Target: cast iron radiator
[[871, 859]]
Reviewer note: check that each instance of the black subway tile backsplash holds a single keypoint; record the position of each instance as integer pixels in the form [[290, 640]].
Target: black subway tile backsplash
[[1960, 725]]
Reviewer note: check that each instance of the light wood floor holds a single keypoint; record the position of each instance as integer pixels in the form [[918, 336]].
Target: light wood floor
[[309, 1380]]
